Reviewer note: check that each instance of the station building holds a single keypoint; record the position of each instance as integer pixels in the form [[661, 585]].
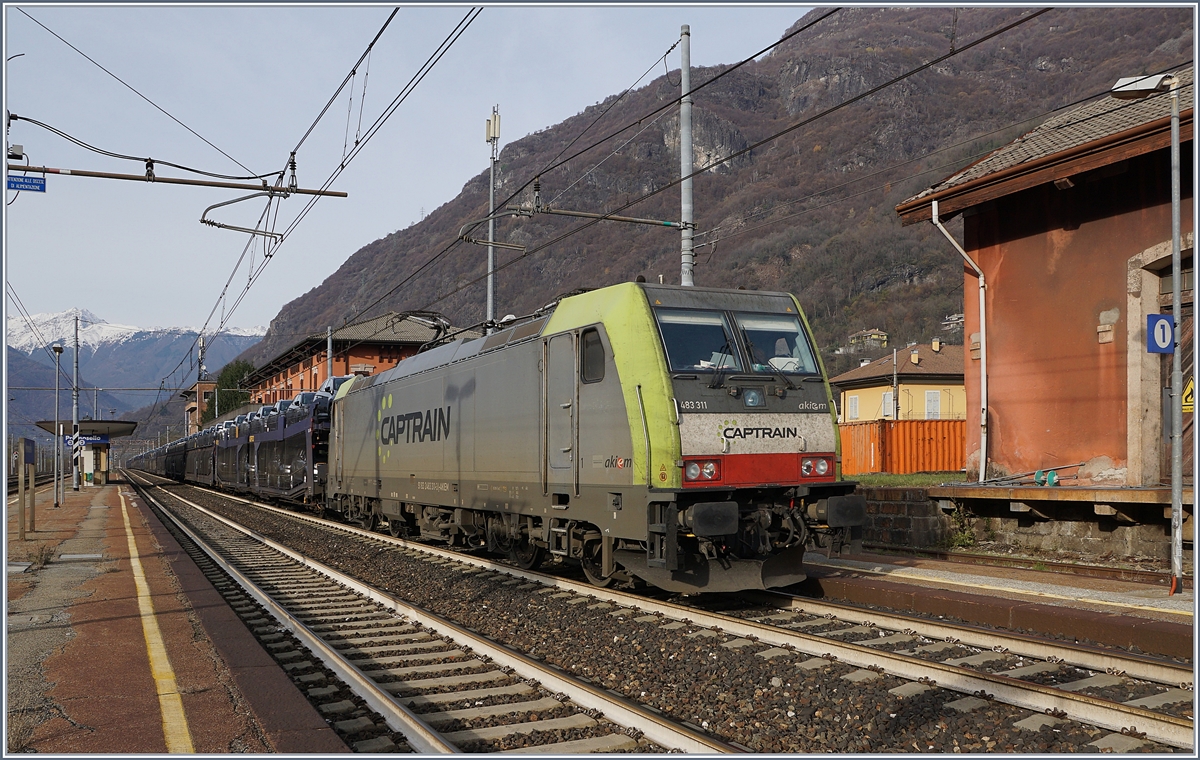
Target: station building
[[1071, 226], [360, 348]]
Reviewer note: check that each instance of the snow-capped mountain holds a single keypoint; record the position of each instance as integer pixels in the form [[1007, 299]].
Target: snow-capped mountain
[[131, 366], [94, 332]]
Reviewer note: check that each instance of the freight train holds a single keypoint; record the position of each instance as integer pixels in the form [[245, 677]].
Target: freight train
[[686, 437]]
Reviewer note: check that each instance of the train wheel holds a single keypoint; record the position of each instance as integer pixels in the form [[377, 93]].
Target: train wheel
[[527, 555], [395, 527], [593, 565]]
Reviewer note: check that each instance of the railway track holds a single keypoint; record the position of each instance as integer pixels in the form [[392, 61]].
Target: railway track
[[38, 480], [391, 676], [1139, 699]]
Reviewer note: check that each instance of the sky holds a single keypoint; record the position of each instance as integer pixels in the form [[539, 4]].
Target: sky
[[251, 81]]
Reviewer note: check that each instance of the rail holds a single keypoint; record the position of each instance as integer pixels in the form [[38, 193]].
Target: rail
[[1157, 726]]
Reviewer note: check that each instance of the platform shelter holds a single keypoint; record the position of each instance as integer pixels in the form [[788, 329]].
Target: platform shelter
[[92, 445]]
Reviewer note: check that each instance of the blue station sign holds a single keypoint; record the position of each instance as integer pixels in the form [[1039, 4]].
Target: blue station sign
[[29, 184], [85, 440]]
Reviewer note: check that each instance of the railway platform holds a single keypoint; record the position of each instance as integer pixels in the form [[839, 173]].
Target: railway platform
[[117, 643], [1098, 610]]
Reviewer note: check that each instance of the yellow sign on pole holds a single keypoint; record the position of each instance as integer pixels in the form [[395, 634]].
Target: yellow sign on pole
[[1189, 396]]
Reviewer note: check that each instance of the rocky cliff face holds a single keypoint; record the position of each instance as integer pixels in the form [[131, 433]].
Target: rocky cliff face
[[810, 212]]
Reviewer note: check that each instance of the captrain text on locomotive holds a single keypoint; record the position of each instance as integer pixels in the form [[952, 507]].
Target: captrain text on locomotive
[[683, 436]]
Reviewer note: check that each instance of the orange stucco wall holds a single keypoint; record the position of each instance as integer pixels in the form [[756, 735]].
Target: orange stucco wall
[[1055, 262]]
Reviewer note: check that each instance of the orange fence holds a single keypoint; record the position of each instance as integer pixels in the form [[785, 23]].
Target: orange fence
[[903, 447]]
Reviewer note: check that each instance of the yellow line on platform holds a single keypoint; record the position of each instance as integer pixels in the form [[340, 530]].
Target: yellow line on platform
[[174, 722], [13, 499], [1008, 589]]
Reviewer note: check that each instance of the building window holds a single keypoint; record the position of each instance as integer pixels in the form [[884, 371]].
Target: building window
[[933, 405], [852, 407], [888, 406]]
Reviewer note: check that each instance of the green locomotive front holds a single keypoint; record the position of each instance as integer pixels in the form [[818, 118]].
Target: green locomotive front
[[685, 436]]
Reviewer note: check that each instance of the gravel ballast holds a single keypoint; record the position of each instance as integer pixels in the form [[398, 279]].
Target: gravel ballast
[[767, 705]]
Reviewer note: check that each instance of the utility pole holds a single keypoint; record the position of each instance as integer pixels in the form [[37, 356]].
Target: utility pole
[[895, 388], [1176, 367], [75, 413], [329, 351], [58, 442], [493, 138], [685, 156]]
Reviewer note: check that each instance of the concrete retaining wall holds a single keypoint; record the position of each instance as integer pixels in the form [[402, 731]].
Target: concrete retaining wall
[[908, 517]]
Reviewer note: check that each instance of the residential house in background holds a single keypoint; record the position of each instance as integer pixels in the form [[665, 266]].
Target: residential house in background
[[928, 432], [930, 386], [868, 340]]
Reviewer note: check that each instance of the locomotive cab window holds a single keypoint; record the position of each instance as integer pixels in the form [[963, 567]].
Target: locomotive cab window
[[777, 343], [697, 340], [592, 355]]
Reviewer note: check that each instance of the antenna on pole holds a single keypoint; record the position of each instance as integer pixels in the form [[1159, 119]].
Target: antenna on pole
[[493, 138], [685, 156]]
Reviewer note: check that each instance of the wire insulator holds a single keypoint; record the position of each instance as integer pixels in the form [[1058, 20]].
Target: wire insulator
[[292, 179], [149, 169]]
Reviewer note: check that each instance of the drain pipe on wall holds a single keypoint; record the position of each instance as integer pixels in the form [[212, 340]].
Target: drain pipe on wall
[[983, 388]]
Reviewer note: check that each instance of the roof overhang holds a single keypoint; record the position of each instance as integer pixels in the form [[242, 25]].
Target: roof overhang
[[1139, 140], [111, 428]]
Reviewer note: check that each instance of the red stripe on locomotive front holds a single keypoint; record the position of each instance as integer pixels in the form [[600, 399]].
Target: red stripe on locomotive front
[[750, 470]]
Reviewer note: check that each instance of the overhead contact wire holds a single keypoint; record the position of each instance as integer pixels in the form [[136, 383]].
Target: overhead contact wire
[[716, 162], [112, 154], [134, 91], [417, 78], [551, 166]]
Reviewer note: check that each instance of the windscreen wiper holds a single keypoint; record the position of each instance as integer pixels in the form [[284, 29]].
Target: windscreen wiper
[[718, 374], [774, 370]]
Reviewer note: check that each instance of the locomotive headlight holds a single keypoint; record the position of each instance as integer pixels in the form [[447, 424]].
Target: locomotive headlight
[[753, 397], [808, 467], [710, 470]]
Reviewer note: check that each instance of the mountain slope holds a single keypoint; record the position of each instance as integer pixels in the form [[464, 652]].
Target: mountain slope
[[810, 212], [110, 356]]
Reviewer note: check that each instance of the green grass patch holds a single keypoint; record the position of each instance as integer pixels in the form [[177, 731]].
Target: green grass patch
[[913, 480]]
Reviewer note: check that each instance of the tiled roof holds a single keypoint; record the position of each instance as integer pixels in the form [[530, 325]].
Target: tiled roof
[[389, 329], [947, 361], [1092, 121], [872, 331]]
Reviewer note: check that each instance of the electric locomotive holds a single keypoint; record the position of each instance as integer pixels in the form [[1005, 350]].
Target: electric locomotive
[[683, 436]]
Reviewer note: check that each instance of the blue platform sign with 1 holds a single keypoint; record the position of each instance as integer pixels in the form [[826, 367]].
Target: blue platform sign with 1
[[1160, 333]]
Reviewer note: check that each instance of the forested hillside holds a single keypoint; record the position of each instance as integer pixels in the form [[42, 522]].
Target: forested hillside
[[810, 212]]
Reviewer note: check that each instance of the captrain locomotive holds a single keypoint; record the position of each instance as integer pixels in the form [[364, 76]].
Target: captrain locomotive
[[683, 436]]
